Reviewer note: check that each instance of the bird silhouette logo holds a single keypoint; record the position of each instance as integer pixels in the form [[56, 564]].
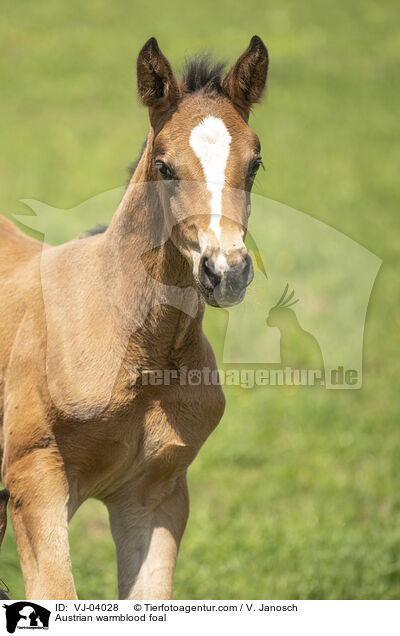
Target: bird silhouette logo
[[299, 349]]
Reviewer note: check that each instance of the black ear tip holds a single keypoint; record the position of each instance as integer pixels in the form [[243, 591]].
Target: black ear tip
[[152, 41], [151, 44], [256, 42]]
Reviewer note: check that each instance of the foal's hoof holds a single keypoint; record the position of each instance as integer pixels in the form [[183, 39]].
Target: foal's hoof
[[4, 495]]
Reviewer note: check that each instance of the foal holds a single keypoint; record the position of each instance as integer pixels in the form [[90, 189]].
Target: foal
[[77, 318]]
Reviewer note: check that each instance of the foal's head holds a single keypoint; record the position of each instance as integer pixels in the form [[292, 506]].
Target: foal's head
[[205, 157]]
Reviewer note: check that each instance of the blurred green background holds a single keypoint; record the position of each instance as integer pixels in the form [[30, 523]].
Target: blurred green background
[[296, 494]]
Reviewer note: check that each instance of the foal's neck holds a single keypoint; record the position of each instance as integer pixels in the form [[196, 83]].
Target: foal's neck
[[138, 237]]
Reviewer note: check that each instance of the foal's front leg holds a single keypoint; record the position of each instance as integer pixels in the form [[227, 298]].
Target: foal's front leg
[[39, 511], [147, 541]]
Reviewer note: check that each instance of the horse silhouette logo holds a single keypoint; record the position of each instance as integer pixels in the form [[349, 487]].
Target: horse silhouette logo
[[298, 347], [26, 615]]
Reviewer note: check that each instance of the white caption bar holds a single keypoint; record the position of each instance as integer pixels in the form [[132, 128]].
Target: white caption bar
[[177, 617]]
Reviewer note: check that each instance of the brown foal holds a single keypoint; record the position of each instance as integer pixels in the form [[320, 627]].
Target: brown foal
[[75, 425]]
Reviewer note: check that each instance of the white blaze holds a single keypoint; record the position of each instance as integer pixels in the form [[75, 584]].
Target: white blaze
[[210, 142]]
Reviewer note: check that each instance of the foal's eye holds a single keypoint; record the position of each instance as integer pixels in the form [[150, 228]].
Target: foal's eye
[[254, 167], [164, 170]]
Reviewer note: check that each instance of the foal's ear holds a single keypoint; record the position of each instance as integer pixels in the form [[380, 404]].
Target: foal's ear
[[156, 83], [245, 82]]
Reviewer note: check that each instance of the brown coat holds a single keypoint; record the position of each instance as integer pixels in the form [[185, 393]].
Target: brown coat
[[74, 424]]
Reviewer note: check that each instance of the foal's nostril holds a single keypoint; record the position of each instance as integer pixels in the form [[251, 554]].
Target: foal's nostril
[[248, 271], [207, 274]]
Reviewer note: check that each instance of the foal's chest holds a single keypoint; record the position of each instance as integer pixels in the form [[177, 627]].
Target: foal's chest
[[149, 441]]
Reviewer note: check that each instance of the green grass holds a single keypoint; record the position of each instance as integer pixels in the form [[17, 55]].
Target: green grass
[[296, 494]]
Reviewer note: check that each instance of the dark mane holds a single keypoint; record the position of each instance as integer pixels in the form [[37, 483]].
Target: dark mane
[[202, 74], [99, 229]]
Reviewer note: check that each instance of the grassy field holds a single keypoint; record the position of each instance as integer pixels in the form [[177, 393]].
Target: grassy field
[[296, 494]]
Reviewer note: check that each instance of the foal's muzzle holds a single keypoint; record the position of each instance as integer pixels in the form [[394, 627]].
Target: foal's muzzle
[[223, 286]]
